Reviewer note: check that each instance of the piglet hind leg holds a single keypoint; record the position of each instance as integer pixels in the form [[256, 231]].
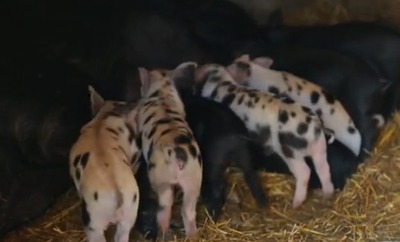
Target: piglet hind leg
[[128, 215], [213, 188], [301, 172], [190, 196], [165, 200], [320, 161], [123, 230], [94, 222]]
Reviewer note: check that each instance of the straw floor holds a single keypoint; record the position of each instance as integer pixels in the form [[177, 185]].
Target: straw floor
[[368, 208]]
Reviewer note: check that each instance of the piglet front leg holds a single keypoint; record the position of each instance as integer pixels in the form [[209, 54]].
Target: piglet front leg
[[301, 172]]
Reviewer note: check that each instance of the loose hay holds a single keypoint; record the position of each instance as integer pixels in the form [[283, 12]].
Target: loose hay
[[368, 208]]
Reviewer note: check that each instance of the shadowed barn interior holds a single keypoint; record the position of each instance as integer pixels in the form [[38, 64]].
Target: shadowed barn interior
[[366, 209]]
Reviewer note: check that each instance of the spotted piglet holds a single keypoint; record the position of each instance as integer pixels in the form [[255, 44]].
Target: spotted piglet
[[101, 163], [169, 148], [293, 131], [256, 74]]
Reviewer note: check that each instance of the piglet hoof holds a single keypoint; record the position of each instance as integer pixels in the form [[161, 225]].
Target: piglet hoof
[[297, 203], [329, 191], [191, 230], [163, 221], [262, 202], [167, 236]]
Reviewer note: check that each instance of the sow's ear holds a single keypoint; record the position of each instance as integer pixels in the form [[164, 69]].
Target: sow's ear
[[96, 101]]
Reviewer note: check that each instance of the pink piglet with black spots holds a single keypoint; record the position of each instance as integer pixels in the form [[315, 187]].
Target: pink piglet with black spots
[[293, 131], [336, 120], [102, 163], [168, 145]]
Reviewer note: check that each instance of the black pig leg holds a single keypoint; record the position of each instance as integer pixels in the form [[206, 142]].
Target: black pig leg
[[213, 186], [244, 162]]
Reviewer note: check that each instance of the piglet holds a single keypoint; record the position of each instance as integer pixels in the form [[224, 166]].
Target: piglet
[[101, 163], [169, 148], [257, 74], [293, 131]]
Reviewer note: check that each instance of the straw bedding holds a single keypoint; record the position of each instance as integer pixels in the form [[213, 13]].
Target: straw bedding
[[367, 209]]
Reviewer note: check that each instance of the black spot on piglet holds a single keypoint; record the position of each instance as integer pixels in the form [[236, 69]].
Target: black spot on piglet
[[287, 152], [314, 97], [84, 160], [283, 116], [291, 140], [273, 90], [182, 139], [302, 128], [351, 130], [328, 97], [181, 154], [85, 214]]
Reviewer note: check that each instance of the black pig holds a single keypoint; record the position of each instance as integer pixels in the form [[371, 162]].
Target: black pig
[[223, 141]]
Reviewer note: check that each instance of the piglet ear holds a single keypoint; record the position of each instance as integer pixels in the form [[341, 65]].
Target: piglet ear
[[184, 74], [264, 61], [96, 101], [184, 70], [144, 79], [243, 58], [132, 117]]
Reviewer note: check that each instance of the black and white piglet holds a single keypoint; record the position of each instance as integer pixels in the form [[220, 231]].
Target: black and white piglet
[[257, 74], [289, 129]]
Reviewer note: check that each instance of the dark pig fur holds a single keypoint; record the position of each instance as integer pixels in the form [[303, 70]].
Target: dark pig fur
[[224, 141], [377, 43], [289, 129], [170, 150], [102, 162]]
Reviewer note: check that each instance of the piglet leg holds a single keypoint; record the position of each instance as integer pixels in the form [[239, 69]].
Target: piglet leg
[[95, 221], [322, 168], [123, 230], [301, 172], [165, 200], [251, 178], [190, 196]]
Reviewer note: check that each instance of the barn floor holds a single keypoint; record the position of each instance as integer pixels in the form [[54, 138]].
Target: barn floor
[[368, 209]]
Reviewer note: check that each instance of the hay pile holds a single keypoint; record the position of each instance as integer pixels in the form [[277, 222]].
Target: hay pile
[[368, 209]]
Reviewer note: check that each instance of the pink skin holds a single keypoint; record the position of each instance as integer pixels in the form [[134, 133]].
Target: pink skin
[[302, 172], [191, 193]]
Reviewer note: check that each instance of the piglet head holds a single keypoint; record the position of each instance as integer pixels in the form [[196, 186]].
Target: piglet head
[[240, 69], [204, 72]]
